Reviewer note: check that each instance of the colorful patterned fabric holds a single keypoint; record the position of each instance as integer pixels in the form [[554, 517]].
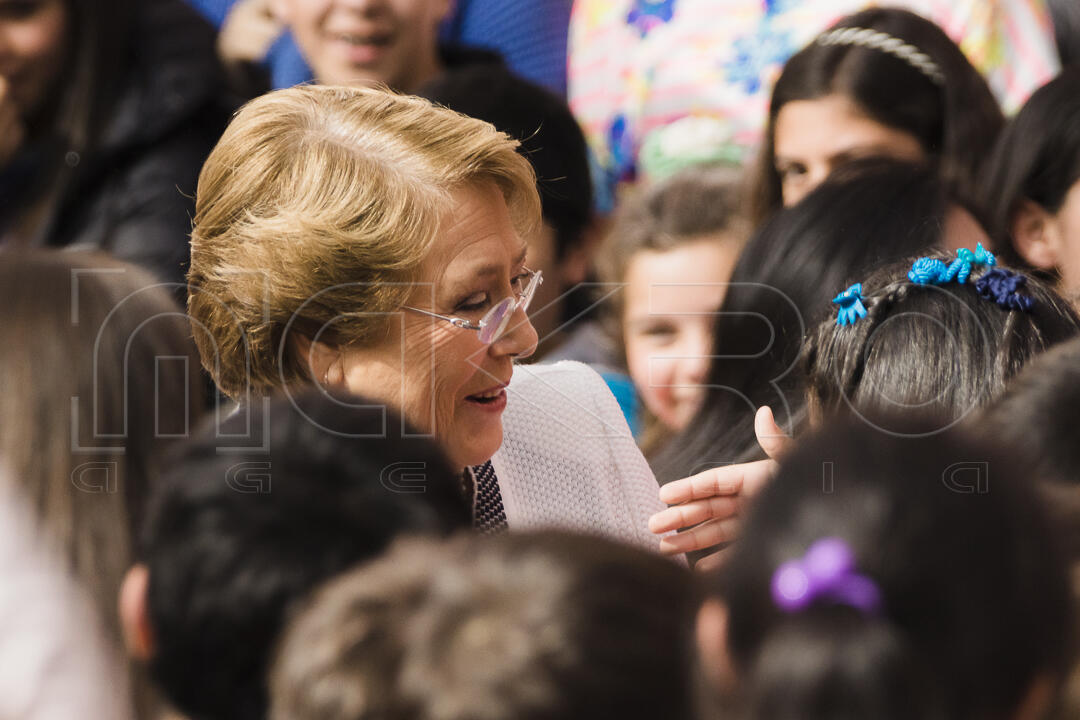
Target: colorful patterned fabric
[[638, 65]]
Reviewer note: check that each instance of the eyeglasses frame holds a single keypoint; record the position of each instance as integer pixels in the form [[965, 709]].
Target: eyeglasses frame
[[522, 302]]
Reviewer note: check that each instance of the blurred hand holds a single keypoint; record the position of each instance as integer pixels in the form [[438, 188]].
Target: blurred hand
[[12, 132], [249, 31], [712, 502]]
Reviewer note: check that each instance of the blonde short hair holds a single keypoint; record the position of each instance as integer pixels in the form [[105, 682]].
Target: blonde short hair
[[314, 212]]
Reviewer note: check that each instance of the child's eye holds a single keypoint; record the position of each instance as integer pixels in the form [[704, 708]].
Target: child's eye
[[790, 171], [659, 330]]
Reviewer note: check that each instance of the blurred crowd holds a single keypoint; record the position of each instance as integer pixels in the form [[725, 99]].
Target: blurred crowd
[[537, 359]]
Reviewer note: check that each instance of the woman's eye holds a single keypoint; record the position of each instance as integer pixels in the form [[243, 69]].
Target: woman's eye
[[520, 281], [473, 303]]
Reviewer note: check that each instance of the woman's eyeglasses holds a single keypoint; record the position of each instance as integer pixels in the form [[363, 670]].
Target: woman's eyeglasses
[[495, 321]]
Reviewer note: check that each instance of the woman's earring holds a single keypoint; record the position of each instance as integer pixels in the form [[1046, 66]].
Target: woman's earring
[[326, 377]]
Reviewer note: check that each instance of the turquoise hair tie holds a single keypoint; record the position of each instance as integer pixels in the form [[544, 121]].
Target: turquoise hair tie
[[984, 256], [928, 271], [931, 271], [851, 307], [960, 269]]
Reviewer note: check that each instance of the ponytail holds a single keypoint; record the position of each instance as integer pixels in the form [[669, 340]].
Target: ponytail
[[831, 662]]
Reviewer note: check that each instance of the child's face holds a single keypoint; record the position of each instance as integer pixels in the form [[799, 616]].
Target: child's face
[[32, 50], [671, 301], [363, 42], [1068, 222], [814, 137]]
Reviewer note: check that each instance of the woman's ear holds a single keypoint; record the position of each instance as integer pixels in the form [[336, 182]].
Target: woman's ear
[[324, 362], [1036, 236], [135, 615]]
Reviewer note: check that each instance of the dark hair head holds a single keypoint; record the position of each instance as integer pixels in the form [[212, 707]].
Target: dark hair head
[[974, 596], [257, 511], [99, 42], [955, 120], [692, 204], [541, 626], [940, 349], [1065, 15], [1037, 158], [98, 375], [872, 212], [1040, 411], [550, 137]]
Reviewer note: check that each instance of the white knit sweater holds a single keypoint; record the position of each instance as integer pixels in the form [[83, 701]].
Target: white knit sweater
[[568, 460]]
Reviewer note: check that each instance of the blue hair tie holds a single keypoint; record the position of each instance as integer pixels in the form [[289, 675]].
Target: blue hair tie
[[960, 269], [1004, 287], [851, 307], [928, 271], [984, 256]]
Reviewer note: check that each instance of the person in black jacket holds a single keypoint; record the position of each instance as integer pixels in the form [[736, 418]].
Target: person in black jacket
[[107, 110]]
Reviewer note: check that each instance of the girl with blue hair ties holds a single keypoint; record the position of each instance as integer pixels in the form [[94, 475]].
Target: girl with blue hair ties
[[938, 334]]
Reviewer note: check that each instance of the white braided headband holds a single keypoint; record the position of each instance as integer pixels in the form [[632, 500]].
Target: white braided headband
[[896, 47]]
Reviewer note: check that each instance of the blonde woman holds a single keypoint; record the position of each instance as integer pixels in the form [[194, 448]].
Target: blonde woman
[[362, 240]]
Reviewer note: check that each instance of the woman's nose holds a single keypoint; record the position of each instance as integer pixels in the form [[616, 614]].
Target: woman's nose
[[520, 338]]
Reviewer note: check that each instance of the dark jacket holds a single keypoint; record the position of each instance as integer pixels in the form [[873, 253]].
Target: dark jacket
[[133, 194]]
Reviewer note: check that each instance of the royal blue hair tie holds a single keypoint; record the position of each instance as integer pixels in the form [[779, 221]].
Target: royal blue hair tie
[[826, 571], [851, 307], [928, 271], [1005, 288]]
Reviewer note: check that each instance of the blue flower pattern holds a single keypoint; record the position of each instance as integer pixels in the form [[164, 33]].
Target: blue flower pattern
[[646, 15], [754, 53]]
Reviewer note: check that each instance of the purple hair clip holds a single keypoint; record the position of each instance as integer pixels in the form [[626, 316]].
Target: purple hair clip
[[1005, 288], [826, 571], [851, 307]]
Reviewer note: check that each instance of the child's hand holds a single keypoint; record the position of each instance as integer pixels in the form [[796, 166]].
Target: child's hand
[[712, 502], [248, 32]]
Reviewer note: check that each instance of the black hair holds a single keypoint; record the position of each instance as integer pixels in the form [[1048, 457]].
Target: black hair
[[550, 138], [1040, 411], [535, 626], [75, 113], [238, 534], [1037, 158], [974, 595], [871, 212], [694, 203], [940, 349], [1065, 15], [954, 121]]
